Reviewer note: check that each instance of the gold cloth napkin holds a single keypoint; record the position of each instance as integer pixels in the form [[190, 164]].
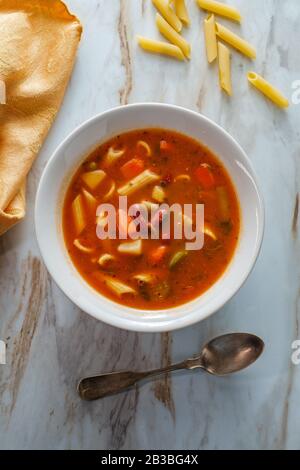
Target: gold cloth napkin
[[38, 44]]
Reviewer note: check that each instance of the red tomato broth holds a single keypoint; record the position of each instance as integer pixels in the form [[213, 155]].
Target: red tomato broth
[[199, 270]]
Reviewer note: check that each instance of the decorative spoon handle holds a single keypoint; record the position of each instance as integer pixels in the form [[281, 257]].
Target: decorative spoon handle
[[93, 388]]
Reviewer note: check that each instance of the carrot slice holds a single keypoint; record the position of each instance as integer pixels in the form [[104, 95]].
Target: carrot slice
[[132, 168], [157, 255], [166, 146], [205, 177]]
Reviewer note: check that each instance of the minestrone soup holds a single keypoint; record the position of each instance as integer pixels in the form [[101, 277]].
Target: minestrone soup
[[150, 167]]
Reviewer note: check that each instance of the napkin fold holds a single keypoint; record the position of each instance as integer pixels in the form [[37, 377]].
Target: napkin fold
[[38, 45]]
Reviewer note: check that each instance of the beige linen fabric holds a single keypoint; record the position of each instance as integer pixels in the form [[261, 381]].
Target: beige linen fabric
[[38, 44]]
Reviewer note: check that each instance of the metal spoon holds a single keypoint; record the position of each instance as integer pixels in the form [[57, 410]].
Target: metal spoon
[[221, 356]]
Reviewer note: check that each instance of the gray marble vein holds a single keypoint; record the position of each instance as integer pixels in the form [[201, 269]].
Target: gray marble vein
[[51, 344]]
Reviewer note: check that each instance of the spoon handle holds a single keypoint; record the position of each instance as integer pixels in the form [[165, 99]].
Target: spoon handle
[[93, 388]]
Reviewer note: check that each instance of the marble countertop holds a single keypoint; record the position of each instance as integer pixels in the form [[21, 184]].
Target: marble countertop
[[51, 344]]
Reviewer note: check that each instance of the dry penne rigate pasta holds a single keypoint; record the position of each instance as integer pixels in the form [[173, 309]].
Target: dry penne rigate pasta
[[169, 33], [181, 11], [268, 90], [210, 38], [173, 14], [160, 47], [220, 9], [235, 41], [168, 13], [225, 68]]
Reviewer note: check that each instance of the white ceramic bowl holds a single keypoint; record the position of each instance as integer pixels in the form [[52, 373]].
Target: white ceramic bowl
[[66, 160]]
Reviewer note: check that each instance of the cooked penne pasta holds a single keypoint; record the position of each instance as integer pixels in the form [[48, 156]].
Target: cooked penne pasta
[[83, 248], [91, 201], [235, 41], [93, 178], [223, 202], [268, 90], [2, 92], [210, 38], [220, 9], [169, 33], [78, 214], [117, 287], [113, 155], [146, 147], [139, 182], [134, 248], [168, 13], [181, 11], [225, 68], [159, 47]]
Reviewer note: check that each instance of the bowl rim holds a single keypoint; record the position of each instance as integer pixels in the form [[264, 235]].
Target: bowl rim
[[173, 323]]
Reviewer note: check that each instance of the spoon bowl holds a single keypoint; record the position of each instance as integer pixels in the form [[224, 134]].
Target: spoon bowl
[[231, 353]]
